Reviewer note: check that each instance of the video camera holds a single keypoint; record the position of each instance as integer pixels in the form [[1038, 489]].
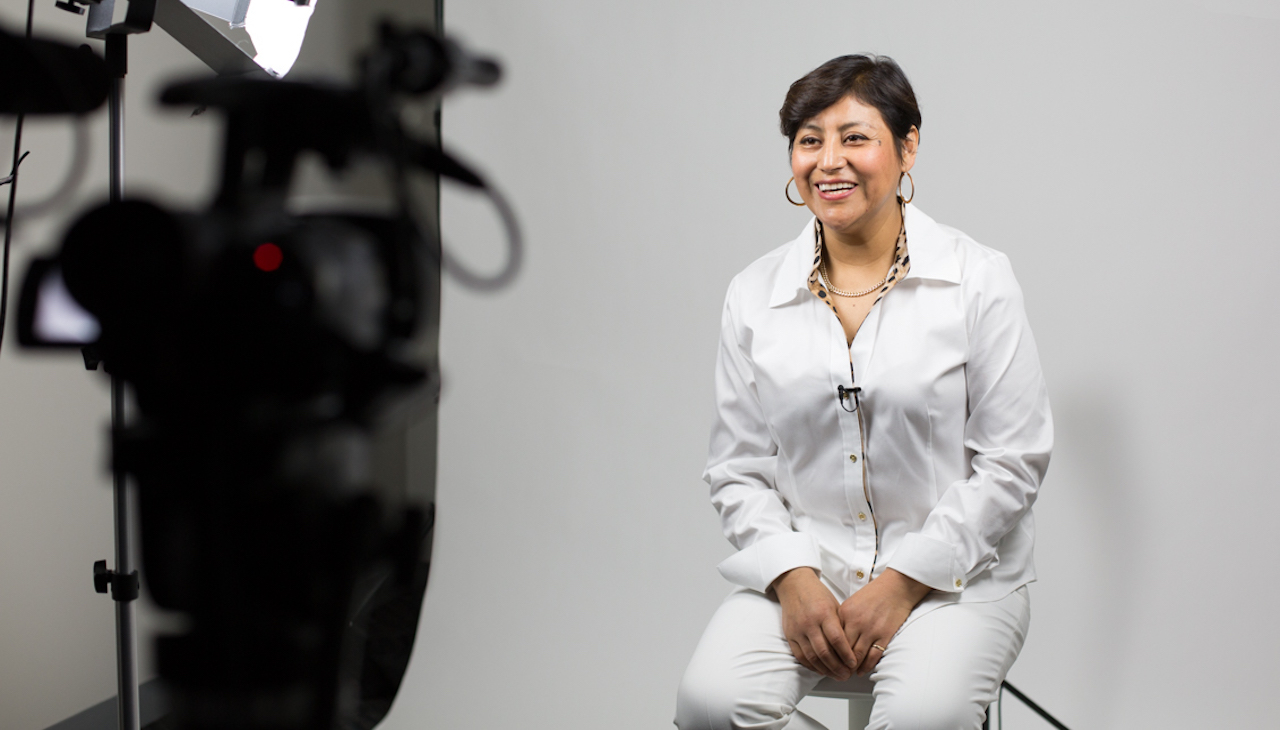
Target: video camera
[[263, 349]]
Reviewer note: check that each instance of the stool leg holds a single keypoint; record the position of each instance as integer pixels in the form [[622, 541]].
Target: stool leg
[[860, 712], [986, 719]]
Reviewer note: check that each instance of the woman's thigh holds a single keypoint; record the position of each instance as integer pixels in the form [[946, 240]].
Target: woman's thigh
[[743, 675], [943, 669]]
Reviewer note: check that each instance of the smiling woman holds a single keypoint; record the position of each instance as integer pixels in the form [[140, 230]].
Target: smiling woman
[[880, 505]]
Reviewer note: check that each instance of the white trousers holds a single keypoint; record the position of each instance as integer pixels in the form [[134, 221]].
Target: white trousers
[[940, 671]]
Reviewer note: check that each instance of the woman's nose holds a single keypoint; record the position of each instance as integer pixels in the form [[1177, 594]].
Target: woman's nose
[[831, 158]]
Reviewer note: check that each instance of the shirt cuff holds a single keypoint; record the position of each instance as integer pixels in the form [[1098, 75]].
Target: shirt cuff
[[758, 565], [930, 561]]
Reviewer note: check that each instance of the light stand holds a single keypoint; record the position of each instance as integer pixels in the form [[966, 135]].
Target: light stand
[[225, 58], [123, 580]]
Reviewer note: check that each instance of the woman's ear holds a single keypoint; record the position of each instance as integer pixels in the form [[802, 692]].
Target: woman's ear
[[909, 145]]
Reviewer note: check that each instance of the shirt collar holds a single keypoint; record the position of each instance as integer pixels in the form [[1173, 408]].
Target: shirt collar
[[930, 248], [793, 276], [933, 251]]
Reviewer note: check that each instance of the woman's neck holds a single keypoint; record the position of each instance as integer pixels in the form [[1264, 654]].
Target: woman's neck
[[868, 246]]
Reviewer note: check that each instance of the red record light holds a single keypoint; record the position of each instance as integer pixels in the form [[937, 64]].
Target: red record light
[[268, 257]]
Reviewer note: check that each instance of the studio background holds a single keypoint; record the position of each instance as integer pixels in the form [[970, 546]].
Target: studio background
[[1119, 152]]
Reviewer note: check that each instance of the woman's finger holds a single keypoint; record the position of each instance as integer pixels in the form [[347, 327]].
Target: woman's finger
[[852, 637], [875, 650], [840, 643], [798, 653], [832, 665], [803, 656]]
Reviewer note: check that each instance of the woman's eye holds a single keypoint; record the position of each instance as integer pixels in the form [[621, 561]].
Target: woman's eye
[[856, 139], [808, 140]]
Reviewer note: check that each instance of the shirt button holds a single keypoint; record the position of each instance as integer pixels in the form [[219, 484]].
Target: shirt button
[[958, 583], [853, 458], [862, 516], [860, 575]]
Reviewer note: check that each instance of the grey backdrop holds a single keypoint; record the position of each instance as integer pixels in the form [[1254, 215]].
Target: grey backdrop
[[1121, 153]]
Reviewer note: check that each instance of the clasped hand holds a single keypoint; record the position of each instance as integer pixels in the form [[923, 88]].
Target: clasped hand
[[836, 639]]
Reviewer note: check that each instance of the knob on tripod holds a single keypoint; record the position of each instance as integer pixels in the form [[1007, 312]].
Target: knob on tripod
[[123, 587]]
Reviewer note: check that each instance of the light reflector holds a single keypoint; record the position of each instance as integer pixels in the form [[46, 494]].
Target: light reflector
[[275, 28]]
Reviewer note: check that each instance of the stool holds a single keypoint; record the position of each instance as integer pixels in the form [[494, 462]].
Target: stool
[[857, 690]]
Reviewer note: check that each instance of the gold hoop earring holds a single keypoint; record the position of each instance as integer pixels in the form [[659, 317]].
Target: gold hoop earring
[[786, 190], [911, 180]]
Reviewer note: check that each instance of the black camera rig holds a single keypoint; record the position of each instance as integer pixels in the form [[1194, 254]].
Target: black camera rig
[[263, 348]]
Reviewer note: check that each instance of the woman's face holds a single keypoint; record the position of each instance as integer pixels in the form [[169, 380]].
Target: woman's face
[[847, 167]]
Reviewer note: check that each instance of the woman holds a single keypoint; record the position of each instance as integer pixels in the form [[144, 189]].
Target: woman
[[882, 428]]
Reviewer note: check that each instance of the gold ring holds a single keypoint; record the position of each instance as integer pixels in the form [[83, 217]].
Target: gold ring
[[877, 646]]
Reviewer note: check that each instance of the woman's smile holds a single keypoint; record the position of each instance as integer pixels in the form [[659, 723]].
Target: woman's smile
[[835, 189]]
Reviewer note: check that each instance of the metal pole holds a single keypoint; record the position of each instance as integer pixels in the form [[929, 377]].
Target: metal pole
[[117, 53], [1038, 709], [126, 626], [126, 629]]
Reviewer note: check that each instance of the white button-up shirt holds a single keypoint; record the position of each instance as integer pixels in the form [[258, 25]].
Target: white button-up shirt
[[934, 472]]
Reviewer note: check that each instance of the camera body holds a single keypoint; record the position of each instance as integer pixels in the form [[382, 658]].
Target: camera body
[[263, 350]]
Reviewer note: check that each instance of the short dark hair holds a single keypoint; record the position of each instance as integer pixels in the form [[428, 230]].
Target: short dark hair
[[876, 81]]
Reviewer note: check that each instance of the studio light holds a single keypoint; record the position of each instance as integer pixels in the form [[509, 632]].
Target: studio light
[[276, 27]]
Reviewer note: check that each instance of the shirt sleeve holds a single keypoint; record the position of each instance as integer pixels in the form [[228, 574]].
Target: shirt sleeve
[[1008, 434], [742, 469]]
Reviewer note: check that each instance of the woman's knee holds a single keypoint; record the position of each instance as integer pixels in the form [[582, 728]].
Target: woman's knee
[[914, 711], [718, 703], [704, 703]]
